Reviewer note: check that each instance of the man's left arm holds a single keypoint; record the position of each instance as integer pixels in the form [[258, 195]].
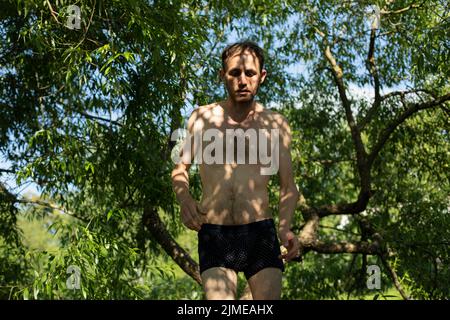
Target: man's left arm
[[288, 193]]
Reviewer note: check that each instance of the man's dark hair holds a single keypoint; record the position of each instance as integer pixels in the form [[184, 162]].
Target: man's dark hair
[[241, 47]]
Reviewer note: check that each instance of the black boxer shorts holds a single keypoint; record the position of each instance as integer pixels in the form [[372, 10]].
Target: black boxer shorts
[[248, 247]]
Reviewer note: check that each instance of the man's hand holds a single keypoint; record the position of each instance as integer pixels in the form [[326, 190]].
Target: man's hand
[[290, 242], [191, 215]]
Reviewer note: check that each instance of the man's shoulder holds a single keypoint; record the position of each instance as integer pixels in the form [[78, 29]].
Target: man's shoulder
[[273, 117], [202, 115], [204, 110], [207, 107]]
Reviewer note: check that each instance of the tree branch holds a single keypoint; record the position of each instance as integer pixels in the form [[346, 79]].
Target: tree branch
[[338, 229], [12, 198], [361, 155], [90, 116], [405, 92], [372, 248], [394, 277], [153, 223], [373, 70], [402, 10], [413, 108], [339, 208], [308, 235], [328, 162], [52, 12], [51, 206], [5, 194], [7, 170], [309, 242]]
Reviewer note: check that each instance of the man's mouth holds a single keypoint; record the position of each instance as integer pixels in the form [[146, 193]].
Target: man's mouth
[[243, 91]]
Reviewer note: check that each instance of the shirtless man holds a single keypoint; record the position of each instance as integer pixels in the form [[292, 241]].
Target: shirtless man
[[236, 231]]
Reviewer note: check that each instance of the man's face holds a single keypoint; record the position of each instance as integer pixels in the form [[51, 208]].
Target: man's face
[[242, 76]]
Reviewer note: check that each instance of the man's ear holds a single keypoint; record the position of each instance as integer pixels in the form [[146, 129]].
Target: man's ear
[[221, 74], [263, 75]]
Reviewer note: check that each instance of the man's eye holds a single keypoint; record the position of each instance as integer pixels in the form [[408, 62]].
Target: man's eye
[[235, 73], [249, 74]]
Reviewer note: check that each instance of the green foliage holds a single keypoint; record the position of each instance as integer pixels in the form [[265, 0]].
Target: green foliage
[[87, 115], [108, 268], [413, 212]]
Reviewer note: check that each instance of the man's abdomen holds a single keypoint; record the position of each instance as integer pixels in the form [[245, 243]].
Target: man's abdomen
[[234, 194]]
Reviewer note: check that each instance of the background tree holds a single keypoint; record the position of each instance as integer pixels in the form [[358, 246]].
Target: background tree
[[87, 114]]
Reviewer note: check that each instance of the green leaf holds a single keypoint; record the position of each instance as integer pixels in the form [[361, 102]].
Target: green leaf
[[109, 215], [26, 294]]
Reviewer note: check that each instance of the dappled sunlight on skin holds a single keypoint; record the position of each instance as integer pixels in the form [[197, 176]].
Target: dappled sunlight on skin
[[219, 284], [251, 185], [266, 284], [237, 145], [234, 193]]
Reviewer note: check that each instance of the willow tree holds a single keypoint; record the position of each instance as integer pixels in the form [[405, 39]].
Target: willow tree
[[380, 159], [87, 113]]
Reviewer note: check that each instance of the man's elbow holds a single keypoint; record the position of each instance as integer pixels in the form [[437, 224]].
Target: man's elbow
[[178, 169], [179, 173], [174, 173]]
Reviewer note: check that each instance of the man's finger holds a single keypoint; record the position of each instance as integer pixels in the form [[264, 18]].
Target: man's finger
[[200, 209], [291, 256], [189, 220], [197, 219], [196, 216], [289, 239], [191, 210], [289, 243], [292, 251]]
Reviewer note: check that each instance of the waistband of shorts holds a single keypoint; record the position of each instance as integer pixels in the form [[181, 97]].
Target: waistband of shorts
[[238, 227]]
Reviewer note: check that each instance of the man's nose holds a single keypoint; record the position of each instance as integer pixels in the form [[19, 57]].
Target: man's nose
[[242, 80]]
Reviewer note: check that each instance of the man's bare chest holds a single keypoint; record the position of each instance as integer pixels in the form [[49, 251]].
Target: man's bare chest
[[250, 142]]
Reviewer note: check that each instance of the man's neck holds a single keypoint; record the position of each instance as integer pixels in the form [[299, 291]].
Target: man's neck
[[239, 111]]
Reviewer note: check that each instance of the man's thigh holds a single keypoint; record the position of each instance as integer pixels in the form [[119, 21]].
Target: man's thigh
[[266, 284], [219, 283]]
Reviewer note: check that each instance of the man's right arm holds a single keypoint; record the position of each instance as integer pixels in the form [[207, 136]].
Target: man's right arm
[[190, 214], [180, 182]]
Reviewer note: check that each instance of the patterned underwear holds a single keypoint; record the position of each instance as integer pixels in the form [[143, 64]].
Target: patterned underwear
[[248, 247]]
